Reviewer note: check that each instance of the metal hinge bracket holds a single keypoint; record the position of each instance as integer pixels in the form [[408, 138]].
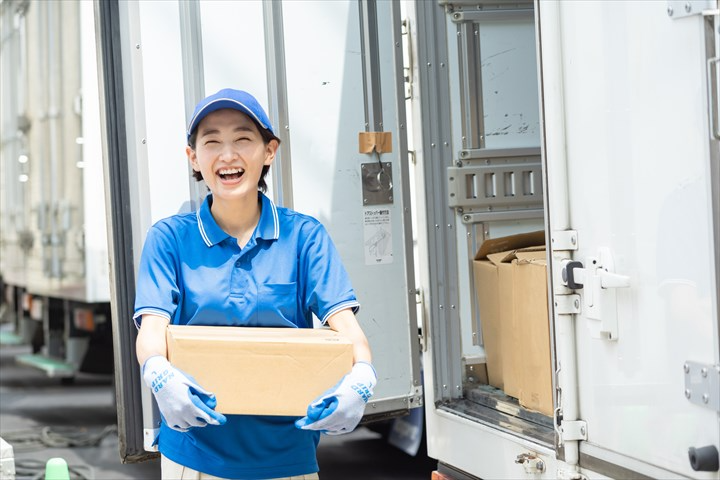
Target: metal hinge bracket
[[685, 8], [564, 240], [567, 304], [702, 384], [573, 430]]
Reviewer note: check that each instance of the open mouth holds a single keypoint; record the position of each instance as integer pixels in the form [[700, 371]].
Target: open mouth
[[230, 173]]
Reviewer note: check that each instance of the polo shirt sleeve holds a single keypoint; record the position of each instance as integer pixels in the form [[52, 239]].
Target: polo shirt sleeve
[[156, 286], [326, 287]]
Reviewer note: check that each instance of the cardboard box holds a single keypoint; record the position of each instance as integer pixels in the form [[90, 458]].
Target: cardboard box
[[487, 281], [531, 312], [511, 286], [261, 371]]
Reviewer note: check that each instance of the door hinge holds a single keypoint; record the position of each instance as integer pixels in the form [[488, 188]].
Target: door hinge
[[575, 430], [702, 384], [564, 240], [423, 334], [567, 304], [685, 8]]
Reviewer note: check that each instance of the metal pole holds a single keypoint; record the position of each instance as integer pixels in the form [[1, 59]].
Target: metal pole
[[193, 78], [558, 214], [277, 100]]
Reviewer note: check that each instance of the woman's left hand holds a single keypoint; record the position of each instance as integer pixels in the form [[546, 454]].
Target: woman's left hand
[[340, 410]]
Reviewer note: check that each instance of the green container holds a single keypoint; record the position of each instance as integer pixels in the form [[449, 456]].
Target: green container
[[56, 469]]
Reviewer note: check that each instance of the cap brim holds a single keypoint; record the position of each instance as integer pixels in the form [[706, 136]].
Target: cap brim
[[219, 104]]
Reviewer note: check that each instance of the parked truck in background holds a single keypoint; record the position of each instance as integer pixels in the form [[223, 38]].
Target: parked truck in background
[[435, 139], [53, 236]]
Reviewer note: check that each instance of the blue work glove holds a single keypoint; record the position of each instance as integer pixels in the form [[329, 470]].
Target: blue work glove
[[182, 402], [341, 408]]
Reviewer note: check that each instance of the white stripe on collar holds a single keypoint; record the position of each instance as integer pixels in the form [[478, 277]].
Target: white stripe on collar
[[276, 224], [276, 220], [202, 229]]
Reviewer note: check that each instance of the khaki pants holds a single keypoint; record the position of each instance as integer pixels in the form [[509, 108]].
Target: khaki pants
[[175, 471]]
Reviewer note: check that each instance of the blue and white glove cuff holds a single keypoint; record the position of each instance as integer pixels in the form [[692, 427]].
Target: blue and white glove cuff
[[363, 380]]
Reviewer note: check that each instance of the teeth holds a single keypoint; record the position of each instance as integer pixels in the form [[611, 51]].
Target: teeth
[[229, 171]]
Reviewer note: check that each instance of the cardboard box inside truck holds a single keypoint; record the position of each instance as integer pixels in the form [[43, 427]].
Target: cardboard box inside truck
[[261, 371], [510, 275]]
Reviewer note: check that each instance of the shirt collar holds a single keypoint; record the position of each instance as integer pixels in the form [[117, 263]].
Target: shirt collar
[[268, 227]]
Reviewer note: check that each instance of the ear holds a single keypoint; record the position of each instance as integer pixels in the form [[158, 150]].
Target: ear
[[192, 158], [270, 152]]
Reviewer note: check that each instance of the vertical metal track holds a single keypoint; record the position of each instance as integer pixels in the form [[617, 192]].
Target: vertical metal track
[[442, 246], [402, 140], [56, 134], [43, 129], [712, 53], [557, 212], [370, 65], [120, 238], [473, 126], [193, 78], [277, 100], [13, 68]]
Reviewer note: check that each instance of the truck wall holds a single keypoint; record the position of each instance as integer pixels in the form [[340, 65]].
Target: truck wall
[[45, 150]]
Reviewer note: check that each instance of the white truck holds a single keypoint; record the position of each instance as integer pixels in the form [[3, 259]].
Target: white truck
[[54, 274], [594, 123]]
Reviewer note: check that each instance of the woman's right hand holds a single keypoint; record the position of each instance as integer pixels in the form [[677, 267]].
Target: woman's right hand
[[182, 402]]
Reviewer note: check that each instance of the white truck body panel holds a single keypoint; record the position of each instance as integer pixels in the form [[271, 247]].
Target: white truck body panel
[[627, 150], [639, 184]]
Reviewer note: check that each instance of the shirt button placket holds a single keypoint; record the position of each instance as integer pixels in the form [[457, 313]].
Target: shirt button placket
[[238, 280]]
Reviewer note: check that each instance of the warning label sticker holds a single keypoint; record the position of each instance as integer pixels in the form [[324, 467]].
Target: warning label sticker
[[377, 228]]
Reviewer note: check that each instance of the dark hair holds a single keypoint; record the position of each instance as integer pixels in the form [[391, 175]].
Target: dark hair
[[266, 135]]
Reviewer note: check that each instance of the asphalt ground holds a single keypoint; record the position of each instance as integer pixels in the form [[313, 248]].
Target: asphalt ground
[[36, 411]]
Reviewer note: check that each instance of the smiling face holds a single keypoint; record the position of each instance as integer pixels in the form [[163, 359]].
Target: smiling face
[[230, 153]]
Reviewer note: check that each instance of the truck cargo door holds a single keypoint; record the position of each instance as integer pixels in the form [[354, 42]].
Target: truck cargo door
[[630, 116], [346, 117], [330, 74]]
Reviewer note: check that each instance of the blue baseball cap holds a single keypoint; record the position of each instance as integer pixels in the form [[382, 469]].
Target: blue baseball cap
[[229, 98]]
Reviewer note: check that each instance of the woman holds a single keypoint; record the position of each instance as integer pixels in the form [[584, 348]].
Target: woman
[[242, 261]]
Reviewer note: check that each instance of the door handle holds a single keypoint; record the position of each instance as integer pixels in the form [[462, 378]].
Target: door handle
[[612, 280], [713, 88], [575, 275], [598, 281]]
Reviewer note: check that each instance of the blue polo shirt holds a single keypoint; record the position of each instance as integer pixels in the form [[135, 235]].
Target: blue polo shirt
[[193, 273]]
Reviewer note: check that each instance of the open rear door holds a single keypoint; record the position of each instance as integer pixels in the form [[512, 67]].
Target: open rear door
[[630, 112], [330, 74]]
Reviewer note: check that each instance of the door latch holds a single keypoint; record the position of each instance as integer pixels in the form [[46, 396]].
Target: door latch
[[598, 281]]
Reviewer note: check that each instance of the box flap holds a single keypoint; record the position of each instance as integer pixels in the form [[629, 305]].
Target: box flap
[[513, 242], [531, 255], [524, 255], [502, 257]]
